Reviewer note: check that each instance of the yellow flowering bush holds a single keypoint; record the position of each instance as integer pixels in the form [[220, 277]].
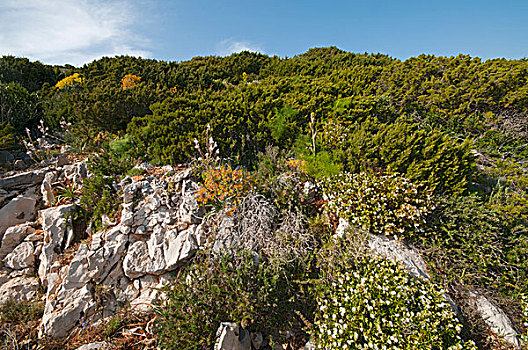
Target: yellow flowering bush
[[223, 186], [387, 204], [70, 81], [129, 81], [375, 304]]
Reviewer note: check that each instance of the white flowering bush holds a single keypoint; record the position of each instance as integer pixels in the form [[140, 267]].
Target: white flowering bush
[[386, 204], [375, 304], [524, 334]]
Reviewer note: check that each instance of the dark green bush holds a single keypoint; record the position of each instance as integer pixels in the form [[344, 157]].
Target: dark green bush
[[432, 158], [259, 296]]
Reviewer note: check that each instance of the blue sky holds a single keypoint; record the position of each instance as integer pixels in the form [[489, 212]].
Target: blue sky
[[78, 31]]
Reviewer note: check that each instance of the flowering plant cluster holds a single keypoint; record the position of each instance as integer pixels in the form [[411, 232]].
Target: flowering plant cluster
[[388, 204], [223, 186], [524, 335], [333, 133], [129, 81], [377, 305], [72, 80]]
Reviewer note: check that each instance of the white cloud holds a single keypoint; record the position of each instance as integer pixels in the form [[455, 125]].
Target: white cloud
[[227, 47], [69, 31]]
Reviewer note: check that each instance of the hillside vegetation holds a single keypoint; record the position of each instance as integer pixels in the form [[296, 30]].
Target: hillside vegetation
[[431, 150]]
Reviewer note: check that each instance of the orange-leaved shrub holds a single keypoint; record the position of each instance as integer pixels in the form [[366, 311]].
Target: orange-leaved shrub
[[223, 187]]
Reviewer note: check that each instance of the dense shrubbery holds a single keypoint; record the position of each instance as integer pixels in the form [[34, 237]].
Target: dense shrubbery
[[430, 119]]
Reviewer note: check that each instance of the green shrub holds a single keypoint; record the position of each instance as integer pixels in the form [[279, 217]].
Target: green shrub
[[428, 157], [258, 296], [470, 243], [121, 146], [7, 137], [100, 198], [375, 304], [282, 180], [380, 204]]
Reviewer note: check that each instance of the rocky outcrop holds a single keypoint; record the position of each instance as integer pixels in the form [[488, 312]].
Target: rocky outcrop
[[95, 346], [23, 180], [397, 251], [22, 257], [13, 236], [58, 235], [126, 263], [19, 210]]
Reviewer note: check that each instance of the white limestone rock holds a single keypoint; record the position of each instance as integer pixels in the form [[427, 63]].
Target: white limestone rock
[[13, 236], [22, 257], [67, 311], [178, 247], [46, 188], [19, 210], [23, 180], [231, 337], [397, 251], [57, 230], [495, 318], [19, 289]]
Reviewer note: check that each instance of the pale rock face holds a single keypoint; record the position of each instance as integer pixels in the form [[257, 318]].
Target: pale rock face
[[46, 187], [66, 311], [232, 337], [94, 346], [179, 247], [13, 236], [23, 180], [75, 172], [19, 289], [495, 318], [129, 262], [19, 210], [22, 257], [397, 251], [57, 230], [138, 262]]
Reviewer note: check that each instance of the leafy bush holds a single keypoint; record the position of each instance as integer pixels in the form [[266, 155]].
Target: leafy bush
[[380, 204], [375, 304], [428, 157], [99, 195], [99, 198], [258, 296], [7, 137], [121, 146]]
